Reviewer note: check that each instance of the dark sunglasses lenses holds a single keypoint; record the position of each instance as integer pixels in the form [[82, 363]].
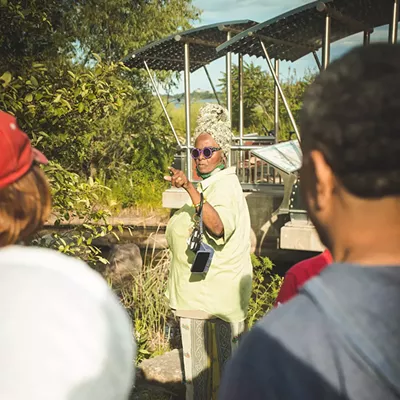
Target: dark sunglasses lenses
[[196, 153], [207, 152]]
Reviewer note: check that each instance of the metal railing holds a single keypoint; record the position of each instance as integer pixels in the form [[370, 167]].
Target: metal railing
[[252, 170]]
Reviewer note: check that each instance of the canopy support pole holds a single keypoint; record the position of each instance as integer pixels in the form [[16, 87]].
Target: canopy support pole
[[187, 111], [241, 118], [326, 50], [367, 38], [317, 60], [162, 104], [271, 68], [212, 84], [276, 102], [229, 80], [241, 96], [394, 25], [229, 89]]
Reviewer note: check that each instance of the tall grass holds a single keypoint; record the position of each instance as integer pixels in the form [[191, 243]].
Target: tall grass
[[144, 298], [135, 190]]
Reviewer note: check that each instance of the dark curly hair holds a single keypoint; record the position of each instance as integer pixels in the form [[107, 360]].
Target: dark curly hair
[[351, 113]]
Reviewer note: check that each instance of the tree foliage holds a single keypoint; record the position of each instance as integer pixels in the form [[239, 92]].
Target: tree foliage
[[258, 99], [114, 28], [61, 76], [63, 109], [76, 199]]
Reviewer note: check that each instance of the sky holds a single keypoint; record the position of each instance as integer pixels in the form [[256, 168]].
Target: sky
[[215, 11]]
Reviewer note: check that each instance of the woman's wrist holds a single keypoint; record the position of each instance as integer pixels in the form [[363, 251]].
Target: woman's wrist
[[193, 193], [189, 187]]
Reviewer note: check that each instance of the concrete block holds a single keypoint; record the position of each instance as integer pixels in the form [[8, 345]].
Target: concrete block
[[174, 198], [300, 237]]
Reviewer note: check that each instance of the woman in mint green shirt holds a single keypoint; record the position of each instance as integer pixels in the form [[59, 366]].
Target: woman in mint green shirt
[[212, 307]]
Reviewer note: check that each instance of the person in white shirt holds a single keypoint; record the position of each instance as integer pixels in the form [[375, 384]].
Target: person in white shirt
[[63, 333]]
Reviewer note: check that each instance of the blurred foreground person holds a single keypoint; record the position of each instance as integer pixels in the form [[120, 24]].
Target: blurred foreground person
[[339, 338], [63, 333], [300, 273]]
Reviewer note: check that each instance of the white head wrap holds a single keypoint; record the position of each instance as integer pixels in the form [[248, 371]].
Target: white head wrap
[[214, 120]]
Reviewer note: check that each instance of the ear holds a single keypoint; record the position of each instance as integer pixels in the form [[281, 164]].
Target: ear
[[324, 180], [224, 159]]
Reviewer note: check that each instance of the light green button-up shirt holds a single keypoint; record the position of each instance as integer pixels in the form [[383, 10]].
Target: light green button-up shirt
[[224, 291]]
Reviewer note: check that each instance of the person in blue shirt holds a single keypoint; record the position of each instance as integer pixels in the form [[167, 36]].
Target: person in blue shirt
[[339, 338]]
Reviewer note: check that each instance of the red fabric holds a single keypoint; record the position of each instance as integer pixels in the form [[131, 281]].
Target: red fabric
[[16, 152], [300, 273]]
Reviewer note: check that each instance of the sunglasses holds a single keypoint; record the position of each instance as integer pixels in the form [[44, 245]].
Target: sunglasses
[[206, 151]]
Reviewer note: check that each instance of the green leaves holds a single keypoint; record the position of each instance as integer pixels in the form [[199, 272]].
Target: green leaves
[[86, 110], [108, 30], [34, 81], [265, 288], [6, 78], [259, 99], [28, 97], [76, 203]]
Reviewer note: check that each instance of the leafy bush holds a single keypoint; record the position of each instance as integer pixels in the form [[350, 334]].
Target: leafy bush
[[64, 107], [60, 75], [266, 285], [75, 200]]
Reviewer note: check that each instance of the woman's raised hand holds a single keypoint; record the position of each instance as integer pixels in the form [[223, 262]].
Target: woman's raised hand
[[177, 178]]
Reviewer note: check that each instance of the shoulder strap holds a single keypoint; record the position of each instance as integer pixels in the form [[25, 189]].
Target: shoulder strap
[[352, 336], [200, 213]]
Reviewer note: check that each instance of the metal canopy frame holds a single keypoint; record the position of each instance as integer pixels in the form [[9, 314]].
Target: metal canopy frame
[[321, 23], [306, 22], [256, 38], [198, 46], [318, 23], [167, 54]]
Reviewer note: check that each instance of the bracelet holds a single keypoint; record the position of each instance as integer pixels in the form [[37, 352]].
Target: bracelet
[[198, 205]]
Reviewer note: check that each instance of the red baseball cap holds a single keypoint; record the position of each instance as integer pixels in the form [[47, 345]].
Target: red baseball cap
[[16, 152]]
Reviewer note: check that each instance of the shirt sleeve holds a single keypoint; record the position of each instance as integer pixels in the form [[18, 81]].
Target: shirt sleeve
[[226, 207], [288, 289]]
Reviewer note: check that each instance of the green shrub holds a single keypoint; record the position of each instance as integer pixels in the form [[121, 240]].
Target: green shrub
[[266, 285], [133, 189], [76, 204]]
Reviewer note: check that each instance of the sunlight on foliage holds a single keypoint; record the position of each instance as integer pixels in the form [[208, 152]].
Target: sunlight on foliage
[[266, 285]]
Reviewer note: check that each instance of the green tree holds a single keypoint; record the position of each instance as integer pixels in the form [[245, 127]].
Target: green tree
[[86, 111], [114, 28], [38, 30], [258, 101], [63, 108]]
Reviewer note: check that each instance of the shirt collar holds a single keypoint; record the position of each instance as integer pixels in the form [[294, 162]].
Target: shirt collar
[[216, 177]]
